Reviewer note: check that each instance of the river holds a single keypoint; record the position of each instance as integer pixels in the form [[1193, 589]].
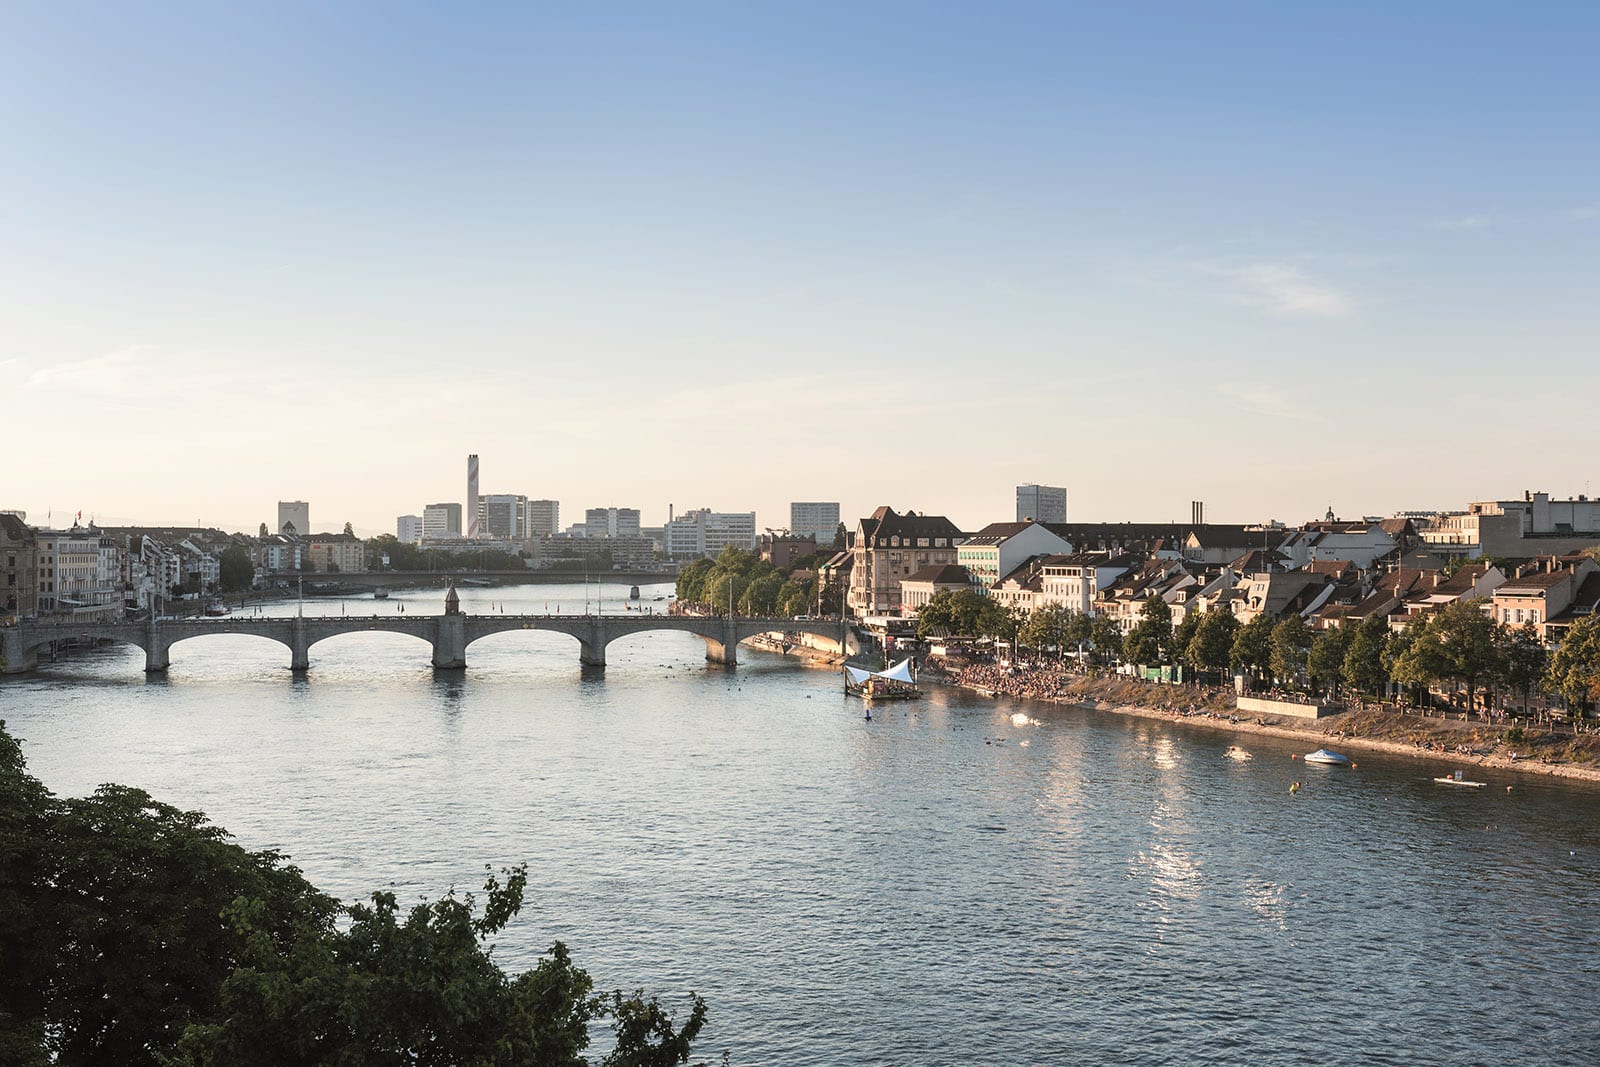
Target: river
[[941, 885]]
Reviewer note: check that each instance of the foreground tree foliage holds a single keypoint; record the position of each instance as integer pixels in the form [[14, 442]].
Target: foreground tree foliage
[[136, 933]]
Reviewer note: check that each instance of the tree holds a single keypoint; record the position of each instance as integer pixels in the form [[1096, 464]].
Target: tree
[[1184, 632], [235, 571], [349, 531], [1105, 637], [1574, 671], [1468, 643], [264, 530], [841, 538], [1364, 669], [966, 612], [1525, 657], [1046, 629], [136, 933], [1291, 645], [1211, 647], [1252, 647], [1151, 636], [1325, 661]]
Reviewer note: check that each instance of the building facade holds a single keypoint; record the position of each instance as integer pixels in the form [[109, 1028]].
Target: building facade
[[336, 553], [294, 517], [408, 529], [704, 532], [611, 522], [19, 568], [441, 522], [781, 550], [504, 517], [819, 518], [889, 547], [1042, 503], [542, 518], [1002, 547]]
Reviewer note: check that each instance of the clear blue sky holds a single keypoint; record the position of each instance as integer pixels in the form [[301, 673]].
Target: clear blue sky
[[1272, 256]]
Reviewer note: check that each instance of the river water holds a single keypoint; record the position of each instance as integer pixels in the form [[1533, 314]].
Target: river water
[[944, 884]]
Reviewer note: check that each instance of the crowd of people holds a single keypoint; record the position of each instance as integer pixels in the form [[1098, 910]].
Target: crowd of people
[[1038, 683]]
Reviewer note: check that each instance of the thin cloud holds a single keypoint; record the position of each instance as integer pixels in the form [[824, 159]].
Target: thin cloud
[[110, 372], [1269, 401], [1464, 222], [1587, 213], [1283, 289]]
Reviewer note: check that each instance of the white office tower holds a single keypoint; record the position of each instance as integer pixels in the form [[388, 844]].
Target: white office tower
[[1044, 503], [441, 522], [611, 522], [408, 529], [294, 517], [543, 518], [820, 519], [504, 517]]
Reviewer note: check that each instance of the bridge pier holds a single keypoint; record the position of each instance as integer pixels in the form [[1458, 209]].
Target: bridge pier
[[157, 652], [592, 652], [299, 646], [450, 643], [14, 659], [726, 651]]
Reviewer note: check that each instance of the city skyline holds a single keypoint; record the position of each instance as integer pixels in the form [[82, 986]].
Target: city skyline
[[1266, 258]]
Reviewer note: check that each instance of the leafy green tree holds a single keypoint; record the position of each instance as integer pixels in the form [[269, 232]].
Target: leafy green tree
[[1151, 636], [1211, 647], [1525, 657], [236, 572], [1080, 629], [1469, 645], [1574, 671], [1046, 629], [1364, 668], [1252, 647], [1106, 638], [841, 538], [1291, 646], [1184, 632], [349, 531], [1419, 660], [136, 933], [965, 612], [1325, 660]]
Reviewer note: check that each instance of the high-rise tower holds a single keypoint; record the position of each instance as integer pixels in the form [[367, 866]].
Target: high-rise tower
[[474, 528]]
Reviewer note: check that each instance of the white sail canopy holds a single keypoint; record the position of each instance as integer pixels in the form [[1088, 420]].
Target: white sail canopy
[[900, 672], [857, 676]]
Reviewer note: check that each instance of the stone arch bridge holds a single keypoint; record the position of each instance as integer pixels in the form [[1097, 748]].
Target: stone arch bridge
[[449, 634]]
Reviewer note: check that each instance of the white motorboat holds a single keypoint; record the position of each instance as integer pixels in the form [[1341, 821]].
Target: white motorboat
[[1327, 756], [1235, 752]]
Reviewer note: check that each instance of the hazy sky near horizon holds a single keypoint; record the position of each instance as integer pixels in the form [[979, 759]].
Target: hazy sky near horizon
[[1276, 257]]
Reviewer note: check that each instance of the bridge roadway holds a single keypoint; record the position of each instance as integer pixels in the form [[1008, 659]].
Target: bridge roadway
[[449, 634]]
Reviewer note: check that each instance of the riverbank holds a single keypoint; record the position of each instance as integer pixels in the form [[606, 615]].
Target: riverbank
[[1449, 744]]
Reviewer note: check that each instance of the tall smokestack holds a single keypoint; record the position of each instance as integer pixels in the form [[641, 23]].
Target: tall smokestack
[[472, 495]]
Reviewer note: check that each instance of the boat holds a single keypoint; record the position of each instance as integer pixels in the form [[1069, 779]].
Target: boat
[[1331, 758], [1456, 779], [380, 593], [1235, 752], [633, 592], [896, 683], [216, 608]]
